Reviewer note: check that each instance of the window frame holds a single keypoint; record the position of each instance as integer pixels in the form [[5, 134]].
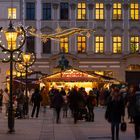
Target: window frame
[[64, 42], [117, 9], [117, 44], [46, 11], [48, 45], [99, 9], [11, 13], [30, 11], [64, 9], [134, 43], [30, 44], [100, 42], [81, 10], [134, 10], [82, 41]]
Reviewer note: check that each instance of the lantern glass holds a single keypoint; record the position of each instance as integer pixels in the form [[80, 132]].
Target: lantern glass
[[11, 37], [26, 57]]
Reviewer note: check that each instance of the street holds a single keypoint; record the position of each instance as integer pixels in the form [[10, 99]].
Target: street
[[45, 128]]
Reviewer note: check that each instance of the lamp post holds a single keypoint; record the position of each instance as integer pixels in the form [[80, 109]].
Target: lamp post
[[27, 60], [12, 36]]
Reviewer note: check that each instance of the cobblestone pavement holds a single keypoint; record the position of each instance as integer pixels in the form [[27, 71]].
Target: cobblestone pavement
[[45, 128]]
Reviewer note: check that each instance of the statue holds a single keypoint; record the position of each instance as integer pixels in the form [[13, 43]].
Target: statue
[[63, 63]]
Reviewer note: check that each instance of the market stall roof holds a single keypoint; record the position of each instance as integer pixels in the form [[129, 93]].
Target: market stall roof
[[71, 75]]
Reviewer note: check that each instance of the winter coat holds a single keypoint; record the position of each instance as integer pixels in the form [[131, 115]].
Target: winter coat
[[36, 98], [115, 110], [57, 100]]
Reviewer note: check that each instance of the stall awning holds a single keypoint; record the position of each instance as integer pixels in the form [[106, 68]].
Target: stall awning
[[71, 75]]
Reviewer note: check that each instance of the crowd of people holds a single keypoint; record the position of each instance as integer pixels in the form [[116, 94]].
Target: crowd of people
[[81, 104]]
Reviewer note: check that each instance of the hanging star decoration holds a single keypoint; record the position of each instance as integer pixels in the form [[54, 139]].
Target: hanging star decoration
[[60, 33]]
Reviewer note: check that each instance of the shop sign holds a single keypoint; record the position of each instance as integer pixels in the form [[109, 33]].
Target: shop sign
[[74, 74]]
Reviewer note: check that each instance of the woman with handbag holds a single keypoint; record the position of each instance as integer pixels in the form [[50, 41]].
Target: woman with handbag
[[115, 112]]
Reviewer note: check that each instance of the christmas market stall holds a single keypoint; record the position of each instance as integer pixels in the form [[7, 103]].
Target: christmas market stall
[[69, 78]]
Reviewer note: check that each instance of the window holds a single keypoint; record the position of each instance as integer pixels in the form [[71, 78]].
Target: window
[[12, 13], [117, 11], [134, 11], [30, 44], [117, 44], [64, 45], [46, 47], [99, 44], [81, 13], [46, 11], [134, 44], [30, 10], [64, 11], [99, 11], [81, 42]]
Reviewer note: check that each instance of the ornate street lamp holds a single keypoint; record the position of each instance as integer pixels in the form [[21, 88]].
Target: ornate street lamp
[[15, 37], [27, 60]]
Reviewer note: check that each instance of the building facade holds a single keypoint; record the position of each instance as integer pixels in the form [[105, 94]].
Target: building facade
[[112, 50]]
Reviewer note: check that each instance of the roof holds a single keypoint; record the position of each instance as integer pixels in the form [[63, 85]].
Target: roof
[[71, 75]]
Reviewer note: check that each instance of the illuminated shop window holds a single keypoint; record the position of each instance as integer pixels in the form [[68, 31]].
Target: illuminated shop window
[[64, 45], [99, 44], [99, 11], [117, 11], [134, 11], [81, 10], [133, 67], [134, 44], [81, 43], [12, 13], [117, 44]]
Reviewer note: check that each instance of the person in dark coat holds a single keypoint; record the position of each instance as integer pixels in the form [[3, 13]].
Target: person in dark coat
[[57, 104], [115, 113], [136, 112], [91, 103], [74, 99], [36, 100]]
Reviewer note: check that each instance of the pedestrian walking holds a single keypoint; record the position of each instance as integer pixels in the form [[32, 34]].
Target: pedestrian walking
[[36, 100], [91, 103], [131, 103], [57, 104], [20, 111], [45, 98], [74, 100], [136, 114], [5, 101], [115, 113]]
